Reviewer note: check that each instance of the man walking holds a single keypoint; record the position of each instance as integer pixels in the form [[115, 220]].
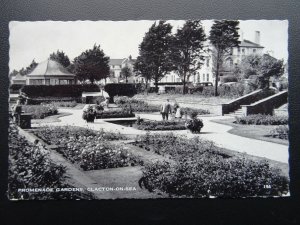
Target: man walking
[[165, 110]]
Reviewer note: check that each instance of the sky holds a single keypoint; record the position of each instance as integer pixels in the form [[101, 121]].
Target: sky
[[118, 39]]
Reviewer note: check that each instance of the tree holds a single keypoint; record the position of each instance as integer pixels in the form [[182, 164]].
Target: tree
[[92, 65], [187, 50], [13, 73], [223, 36], [126, 72], [143, 69], [29, 68], [61, 58], [264, 66], [155, 50]]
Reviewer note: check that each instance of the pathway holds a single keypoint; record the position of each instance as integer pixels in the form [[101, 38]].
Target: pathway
[[211, 131]]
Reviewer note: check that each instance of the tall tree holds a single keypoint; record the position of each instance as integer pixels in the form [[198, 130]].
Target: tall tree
[[155, 50], [29, 68], [61, 58], [126, 72], [223, 36], [187, 50], [92, 65], [143, 69]]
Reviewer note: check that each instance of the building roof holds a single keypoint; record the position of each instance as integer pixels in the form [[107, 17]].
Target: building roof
[[19, 77], [50, 68], [115, 61], [246, 43]]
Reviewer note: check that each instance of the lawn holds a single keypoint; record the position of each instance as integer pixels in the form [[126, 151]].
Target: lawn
[[259, 132]]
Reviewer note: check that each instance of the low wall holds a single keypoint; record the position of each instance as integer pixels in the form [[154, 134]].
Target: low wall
[[266, 105], [245, 100]]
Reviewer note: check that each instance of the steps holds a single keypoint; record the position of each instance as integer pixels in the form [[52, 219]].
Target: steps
[[238, 112]]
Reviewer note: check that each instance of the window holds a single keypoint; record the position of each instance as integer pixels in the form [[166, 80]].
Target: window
[[239, 50], [231, 51], [198, 78], [207, 62], [62, 82], [207, 77], [230, 62], [47, 81], [36, 82], [203, 78]]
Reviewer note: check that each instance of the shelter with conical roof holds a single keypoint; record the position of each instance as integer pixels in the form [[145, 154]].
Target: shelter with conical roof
[[50, 72], [18, 79]]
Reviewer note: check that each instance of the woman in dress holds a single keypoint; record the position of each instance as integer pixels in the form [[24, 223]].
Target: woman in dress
[[177, 111]]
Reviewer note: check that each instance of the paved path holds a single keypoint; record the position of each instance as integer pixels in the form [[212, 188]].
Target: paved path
[[211, 131]]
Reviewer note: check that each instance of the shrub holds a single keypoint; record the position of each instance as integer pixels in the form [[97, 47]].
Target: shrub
[[120, 89], [135, 105], [260, 119], [226, 79], [74, 90], [30, 166], [212, 175], [189, 111], [114, 114], [90, 149], [194, 124], [15, 88], [69, 104], [49, 100], [160, 125], [281, 132], [40, 111]]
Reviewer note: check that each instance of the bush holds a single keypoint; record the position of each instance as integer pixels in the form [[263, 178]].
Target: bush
[[49, 100], [135, 105], [30, 166], [189, 111], [212, 175], [120, 90], [75, 90], [114, 114], [260, 119], [160, 125], [40, 111], [69, 104], [90, 149], [15, 88], [200, 169], [194, 124], [281, 132], [226, 79]]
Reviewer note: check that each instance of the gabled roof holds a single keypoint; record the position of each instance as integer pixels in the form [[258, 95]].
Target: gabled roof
[[246, 43], [50, 67], [115, 61], [19, 77]]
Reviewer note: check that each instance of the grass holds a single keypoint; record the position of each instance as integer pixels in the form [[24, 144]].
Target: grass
[[259, 132], [187, 98]]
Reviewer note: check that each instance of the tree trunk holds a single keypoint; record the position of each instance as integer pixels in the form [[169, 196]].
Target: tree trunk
[[184, 77], [156, 85], [146, 86], [217, 75]]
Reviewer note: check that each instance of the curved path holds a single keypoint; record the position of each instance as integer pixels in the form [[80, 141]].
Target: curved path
[[215, 132]]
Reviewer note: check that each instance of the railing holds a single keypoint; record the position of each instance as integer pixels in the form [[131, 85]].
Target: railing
[[245, 100], [266, 105]]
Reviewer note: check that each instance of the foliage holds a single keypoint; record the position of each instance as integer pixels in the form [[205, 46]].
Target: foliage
[[265, 66], [226, 79], [281, 132], [154, 51], [74, 90], [114, 114], [187, 49], [61, 58], [189, 111], [29, 68], [90, 114], [30, 166], [92, 65], [15, 88], [135, 105], [200, 169], [120, 89], [160, 125], [125, 73], [142, 68], [194, 124], [40, 111], [223, 36], [260, 119], [90, 149], [68, 104]]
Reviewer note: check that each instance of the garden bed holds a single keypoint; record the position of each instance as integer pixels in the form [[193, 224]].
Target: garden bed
[[260, 119], [40, 111], [114, 114], [89, 149], [202, 170]]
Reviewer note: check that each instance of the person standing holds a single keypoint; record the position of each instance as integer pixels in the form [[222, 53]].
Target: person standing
[[177, 111], [165, 110]]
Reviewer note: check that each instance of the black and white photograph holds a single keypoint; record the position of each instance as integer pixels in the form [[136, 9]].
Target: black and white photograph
[[148, 109]]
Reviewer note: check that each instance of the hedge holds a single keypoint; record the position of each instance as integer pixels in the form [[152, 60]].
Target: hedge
[[120, 90], [260, 119], [15, 88], [58, 90]]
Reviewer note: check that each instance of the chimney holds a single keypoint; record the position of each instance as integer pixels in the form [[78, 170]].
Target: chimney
[[257, 37]]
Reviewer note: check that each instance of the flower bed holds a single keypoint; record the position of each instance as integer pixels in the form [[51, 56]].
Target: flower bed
[[90, 149], [161, 125], [40, 111], [135, 105], [281, 132], [114, 114], [259, 119], [30, 167], [69, 104], [200, 169], [189, 111]]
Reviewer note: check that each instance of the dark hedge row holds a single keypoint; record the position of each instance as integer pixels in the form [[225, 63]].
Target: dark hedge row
[[120, 90], [33, 91], [260, 119]]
